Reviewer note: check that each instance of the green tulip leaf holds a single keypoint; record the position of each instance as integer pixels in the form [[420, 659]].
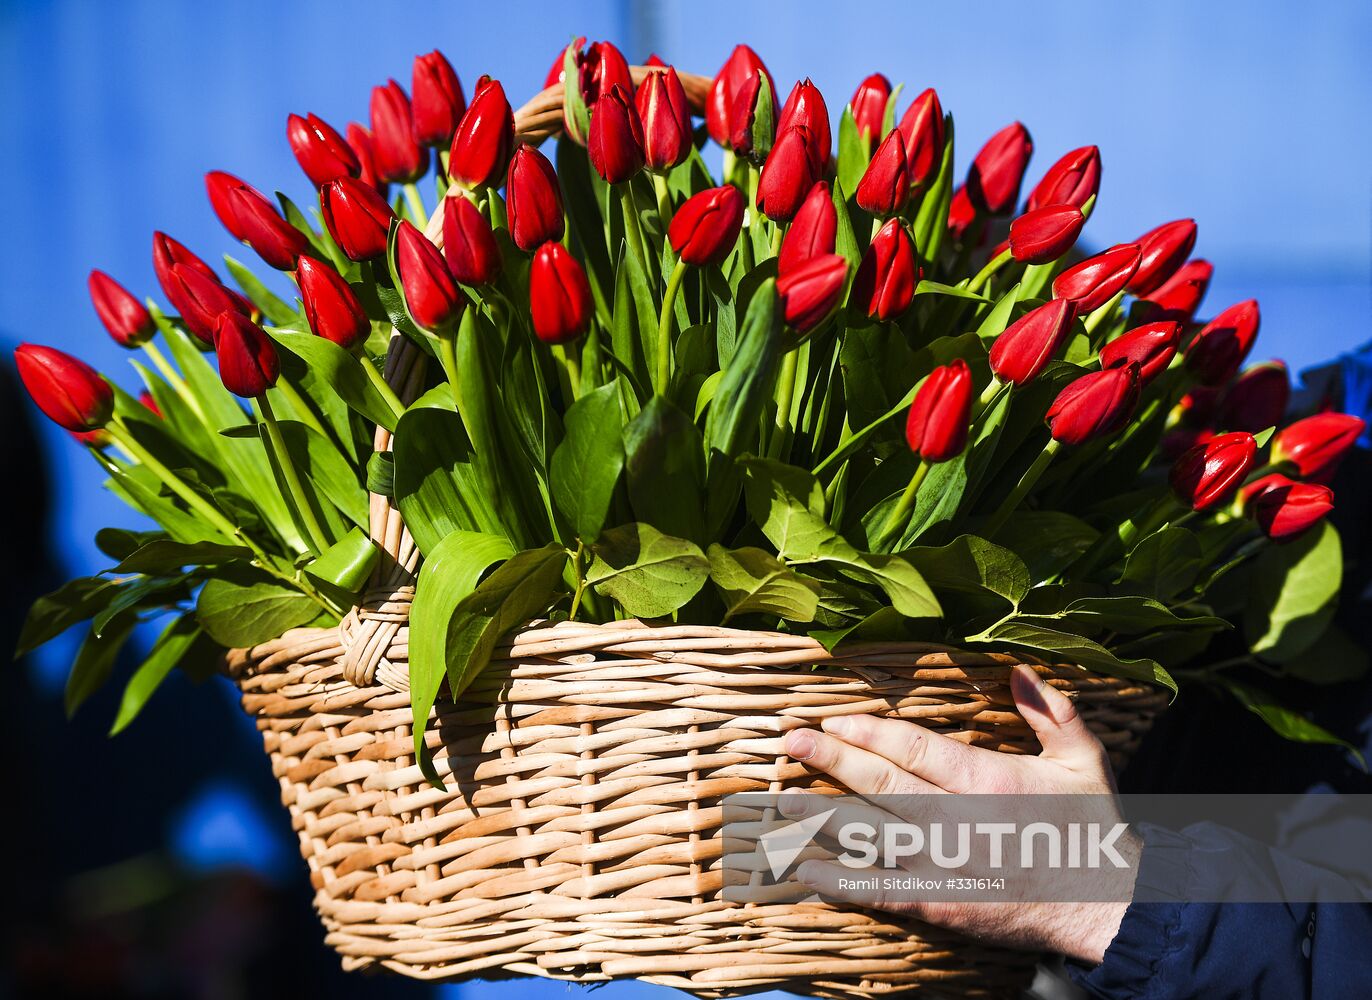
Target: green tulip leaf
[[650, 574], [753, 581]]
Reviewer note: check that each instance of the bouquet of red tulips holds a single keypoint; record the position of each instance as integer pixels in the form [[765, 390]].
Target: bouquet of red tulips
[[828, 391]]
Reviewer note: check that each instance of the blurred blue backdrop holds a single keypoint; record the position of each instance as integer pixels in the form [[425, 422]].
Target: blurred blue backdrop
[[1249, 118]]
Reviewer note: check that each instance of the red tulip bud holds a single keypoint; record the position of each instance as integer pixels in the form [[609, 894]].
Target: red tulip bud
[[358, 219], [742, 66], [167, 252], [810, 293], [532, 200], [360, 139], [1216, 353], [1073, 180], [615, 141], [1316, 445], [1180, 295], [655, 60], [559, 295], [885, 185], [331, 307], [222, 188], [869, 105], [200, 300], [743, 116], [805, 106], [258, 224], [1045, 234], [994, 180], [1285, 512], [1094, 405], [603, 68], [787, 176], [1257, 400], [936, 429], [1179, 441], [556, 70], [813, 231], [126, 319], [705, 228], [248, 363], [1164, 250], [1029, 343], [666, 117], [1209, 473], [484, 139], [886, 278], [321, 152], [468, 244], [922, 127], [70, 392], [398, 157], [961, 214], [1096, 280], [438, 99], [1199, 406], [1151, 346], [430, 293]]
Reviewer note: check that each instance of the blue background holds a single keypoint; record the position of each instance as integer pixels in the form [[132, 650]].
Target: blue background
[[1249, 117]]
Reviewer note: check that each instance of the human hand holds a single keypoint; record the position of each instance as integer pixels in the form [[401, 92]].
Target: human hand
[[873, 756]]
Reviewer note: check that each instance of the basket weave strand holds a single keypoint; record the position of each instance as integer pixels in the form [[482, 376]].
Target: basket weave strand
[[577, 835]]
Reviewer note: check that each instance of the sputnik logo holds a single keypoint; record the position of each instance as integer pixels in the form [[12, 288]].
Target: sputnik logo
[[783, 845]]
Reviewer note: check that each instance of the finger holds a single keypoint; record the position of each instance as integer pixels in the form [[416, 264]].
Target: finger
[[943, 762], [1054, 719], [862, 772]]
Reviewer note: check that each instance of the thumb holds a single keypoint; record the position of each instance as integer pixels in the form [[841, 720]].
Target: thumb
[[1055, 720]]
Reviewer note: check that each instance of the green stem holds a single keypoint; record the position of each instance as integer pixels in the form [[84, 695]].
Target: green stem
[[416, 203], [664, 200], [174, 379], [992, 266], [778, 232], [175, 483], [580, 579], [900, 514], [664, 327], [295, 489], [632, 233], [382, 386], [1098, 317], [447, 357], [984, 400], [569, 353], [1022, 488], [786, 386], [301, 407]]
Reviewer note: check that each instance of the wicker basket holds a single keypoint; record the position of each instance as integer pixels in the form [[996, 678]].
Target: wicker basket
[[578, 835]]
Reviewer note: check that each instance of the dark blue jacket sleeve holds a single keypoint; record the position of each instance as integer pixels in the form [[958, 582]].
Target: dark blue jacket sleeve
[[1171, 949]]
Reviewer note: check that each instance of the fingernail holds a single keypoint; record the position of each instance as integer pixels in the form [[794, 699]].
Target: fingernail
[[794, 806], [800, 745], [806, 871], [838, 725]]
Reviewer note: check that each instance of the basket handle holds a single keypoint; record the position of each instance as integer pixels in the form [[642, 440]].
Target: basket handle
[[370, 630]]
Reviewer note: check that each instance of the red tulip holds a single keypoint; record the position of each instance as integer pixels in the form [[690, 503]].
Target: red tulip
[[1029, 343], [1096, 280], [1284, 509], [1316, 445], [994, 180], [1073, 180], [705, 228], [260, 225], [805, 106], [167, 255], [1180, 295], [922, 128], [321, 152], [398, 157], [358, 219], [360, 139], [468, 244], [813, 231], [885, 185], [222, 187], [936, 429], [886, 278], [615, 142], [787, 176], [557, 70], [869, 105], [742, 66], [331, 306], [484, 138], [1216, 353], [200, 300], [1164, 250], [743, 117], [1199, 406], [248, 362], [601, 69], [70, 392], [532, 200], [1180, 440], [1151, 346], [961, 214], [1209, 473], [1094, 405], [666, 118], [1044, 234], [559, 295], [433, 299], [810, 293], [438, 99], [126, 319], [1257, 400]]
